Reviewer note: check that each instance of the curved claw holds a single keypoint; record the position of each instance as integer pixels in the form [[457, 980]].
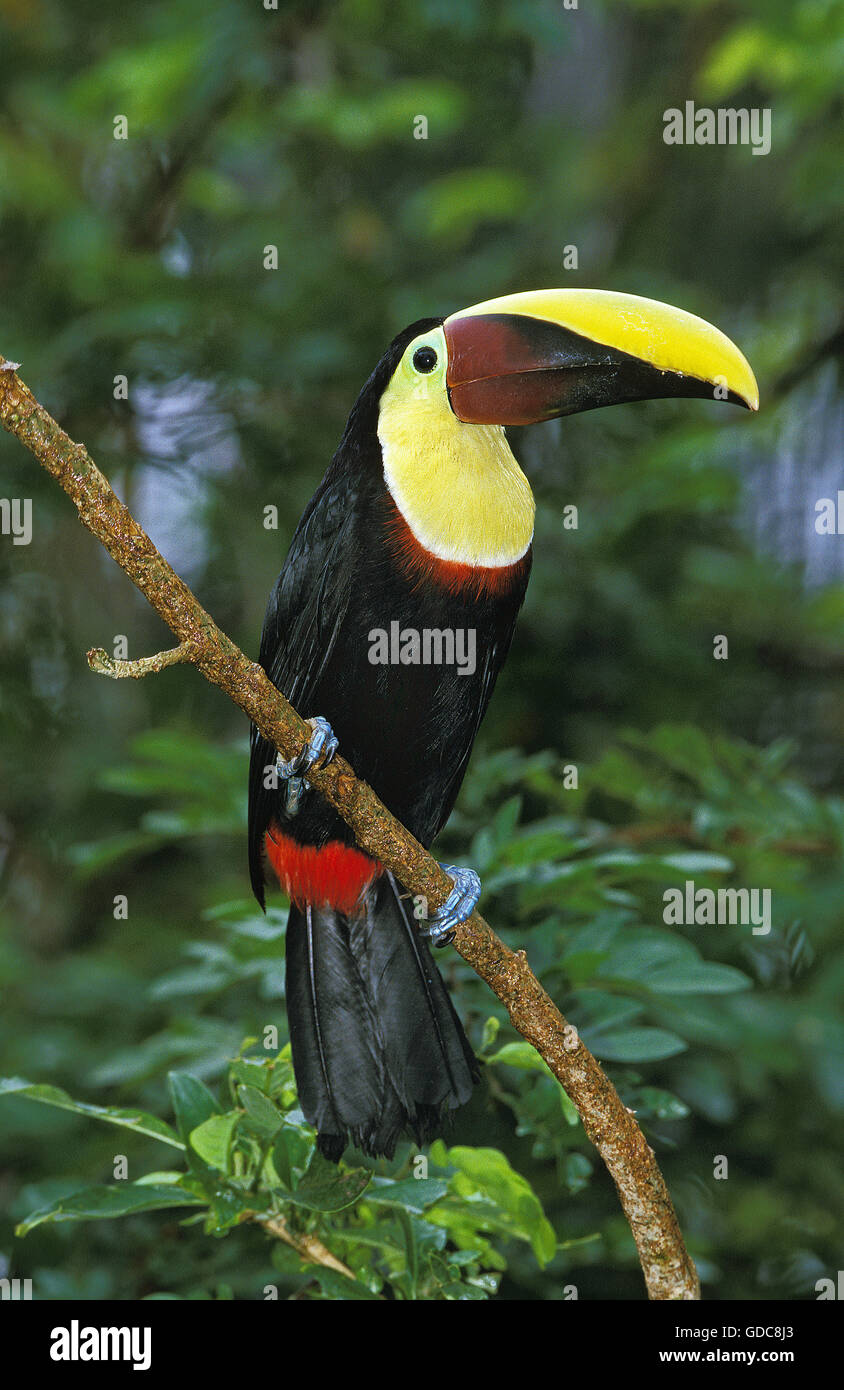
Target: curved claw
[[320, 747], [294, 790], [460, 904]]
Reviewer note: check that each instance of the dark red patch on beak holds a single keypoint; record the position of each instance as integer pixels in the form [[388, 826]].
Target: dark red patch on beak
[[505, 368], [519, 399], [510, 369]]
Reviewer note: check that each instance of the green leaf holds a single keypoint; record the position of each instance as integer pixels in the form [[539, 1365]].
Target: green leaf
[[637, 1045], [414, 1194], [192, 1102], [489, 1172], [226, 1209], [698, 862], [697, 977], [252, 1073], [662, 1104], [577, 1171], [520, 1054], [212, 1140], [337, 1287], [262, 1118], [137, 1120], [325, 1188], [119, 1199], [580, 966], [451, 207], [292, 1153], [526, 1058]]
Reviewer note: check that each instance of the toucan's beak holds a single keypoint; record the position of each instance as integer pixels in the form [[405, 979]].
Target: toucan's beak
[[528, 357]]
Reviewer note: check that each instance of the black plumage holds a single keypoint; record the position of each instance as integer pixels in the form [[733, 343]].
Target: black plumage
[[377, 1045]]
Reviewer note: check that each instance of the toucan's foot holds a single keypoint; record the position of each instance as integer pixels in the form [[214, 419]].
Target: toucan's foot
[[460, 904], [320, 748]]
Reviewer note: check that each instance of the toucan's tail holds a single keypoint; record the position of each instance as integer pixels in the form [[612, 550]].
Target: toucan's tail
[[377, 1046]]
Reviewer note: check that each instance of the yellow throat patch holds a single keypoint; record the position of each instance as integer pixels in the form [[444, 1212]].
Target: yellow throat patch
[[458, 486]]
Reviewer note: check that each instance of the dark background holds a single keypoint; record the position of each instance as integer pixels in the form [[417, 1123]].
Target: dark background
[[144, 258]]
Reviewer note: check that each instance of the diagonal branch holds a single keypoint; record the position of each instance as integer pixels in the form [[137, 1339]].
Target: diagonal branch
[[668, 1269]]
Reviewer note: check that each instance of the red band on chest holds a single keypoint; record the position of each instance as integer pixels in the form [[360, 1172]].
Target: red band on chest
[[423, 567], [335, 876]]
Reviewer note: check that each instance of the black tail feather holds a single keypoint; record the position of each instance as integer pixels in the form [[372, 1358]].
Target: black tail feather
[[378, 1049]]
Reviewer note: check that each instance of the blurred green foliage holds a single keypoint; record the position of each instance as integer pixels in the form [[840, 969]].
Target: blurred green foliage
[[144, 258], [423, 1237]]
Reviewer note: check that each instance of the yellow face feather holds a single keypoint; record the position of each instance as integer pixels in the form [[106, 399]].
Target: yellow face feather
[[458, 486]]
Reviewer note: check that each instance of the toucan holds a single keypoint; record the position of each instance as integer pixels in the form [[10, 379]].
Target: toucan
[[387, 627]]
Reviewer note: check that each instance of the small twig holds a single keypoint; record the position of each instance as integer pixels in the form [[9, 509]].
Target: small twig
[[668, 1269], [105, 665], [309, 1247]]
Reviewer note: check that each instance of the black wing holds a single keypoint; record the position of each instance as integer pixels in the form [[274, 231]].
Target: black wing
[[442, 792], [304, 615]]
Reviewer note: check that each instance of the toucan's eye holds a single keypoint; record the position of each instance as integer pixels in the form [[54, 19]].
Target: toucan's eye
[[424, 359]]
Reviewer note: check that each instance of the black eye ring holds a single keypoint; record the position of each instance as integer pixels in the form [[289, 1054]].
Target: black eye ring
[[424, 359]]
